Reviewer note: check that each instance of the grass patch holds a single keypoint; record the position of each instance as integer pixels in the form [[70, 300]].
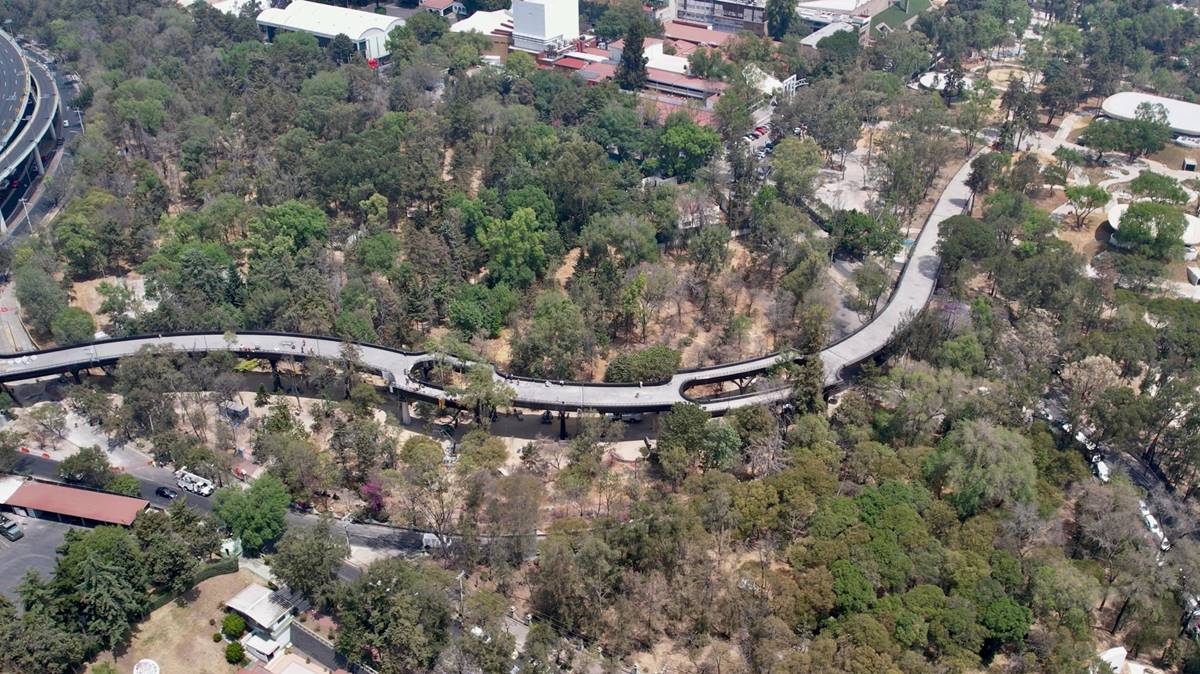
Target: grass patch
[[895, 16]]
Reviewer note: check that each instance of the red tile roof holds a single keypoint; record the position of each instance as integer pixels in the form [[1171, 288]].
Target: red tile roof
[[440, 5], [91, 505], [676, 79], [570, 63], [677, 30]]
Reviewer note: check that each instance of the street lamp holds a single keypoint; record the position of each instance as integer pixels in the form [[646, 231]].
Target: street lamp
[[25, 206]]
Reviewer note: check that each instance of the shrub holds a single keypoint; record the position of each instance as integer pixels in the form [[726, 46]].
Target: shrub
[[233, 626], [234, 653], [216, 637]]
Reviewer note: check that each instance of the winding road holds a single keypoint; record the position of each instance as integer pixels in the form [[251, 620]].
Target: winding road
[[399, 368]]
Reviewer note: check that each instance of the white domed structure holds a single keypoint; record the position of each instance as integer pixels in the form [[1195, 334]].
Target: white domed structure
[[933, 81], [146, 666], [1191, 233]]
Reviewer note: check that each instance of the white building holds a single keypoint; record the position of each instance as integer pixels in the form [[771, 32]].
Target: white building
[[1182, 117], [367, 30], [814, 38], [541, 25]]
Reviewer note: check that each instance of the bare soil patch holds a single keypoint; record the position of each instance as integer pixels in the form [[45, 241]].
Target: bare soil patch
[[179, 638]]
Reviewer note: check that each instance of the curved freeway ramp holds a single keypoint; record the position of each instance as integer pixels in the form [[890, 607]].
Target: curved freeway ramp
[[14, 87], [915, 287], [40, 121]]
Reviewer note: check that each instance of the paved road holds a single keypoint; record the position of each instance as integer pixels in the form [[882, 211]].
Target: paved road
[[31, 134], [14, 87], [13, 336]]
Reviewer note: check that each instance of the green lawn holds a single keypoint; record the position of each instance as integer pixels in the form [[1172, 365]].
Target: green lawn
[[895, 17]]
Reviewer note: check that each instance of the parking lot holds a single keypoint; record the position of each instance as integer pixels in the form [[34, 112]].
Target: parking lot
[[34, 551]]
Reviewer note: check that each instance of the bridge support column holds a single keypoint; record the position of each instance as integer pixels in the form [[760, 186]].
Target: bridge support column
[[405, 415], [76, 377], [562, 425], [276, 381], [3, 224]]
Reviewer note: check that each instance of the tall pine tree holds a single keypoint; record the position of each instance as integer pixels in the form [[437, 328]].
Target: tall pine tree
[[631, 73]]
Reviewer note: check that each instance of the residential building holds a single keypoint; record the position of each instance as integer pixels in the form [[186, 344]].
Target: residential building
[[367, 30], [269, 614], [544, 25], [451, 9]]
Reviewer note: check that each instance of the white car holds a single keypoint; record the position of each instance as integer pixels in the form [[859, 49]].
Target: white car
[[1155, 528], [1101, 469]]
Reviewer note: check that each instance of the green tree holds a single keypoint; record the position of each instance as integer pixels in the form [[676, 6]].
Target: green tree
[[1152, 229], [852, 591], [516, 248], [631, 70], [41, 297], [1158, 187], [254, 515], [556, 342], [306, 560], [341, 49], [88, 466], [780, 14], [653, 364], [1085, 200], [859, 234], [484, 393], [797, 165], [685, 146], [124, 484], [1007, 620], [73, 325], [427, 27], [983, 465], [395, 617]]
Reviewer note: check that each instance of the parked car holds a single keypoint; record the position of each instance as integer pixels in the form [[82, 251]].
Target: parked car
[[10, 530], [167, 493]]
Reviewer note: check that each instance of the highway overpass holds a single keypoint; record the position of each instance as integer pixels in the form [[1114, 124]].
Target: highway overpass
[[30, 124]]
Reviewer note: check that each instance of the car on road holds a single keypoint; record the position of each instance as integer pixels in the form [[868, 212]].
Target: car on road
[[1155, 528], [626, 417], [167, 493], [10, 529]]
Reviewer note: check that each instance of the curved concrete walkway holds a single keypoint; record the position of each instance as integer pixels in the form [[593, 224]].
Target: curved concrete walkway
[[913, 291]]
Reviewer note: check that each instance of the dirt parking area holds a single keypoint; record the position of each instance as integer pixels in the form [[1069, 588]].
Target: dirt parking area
[[179, 638]]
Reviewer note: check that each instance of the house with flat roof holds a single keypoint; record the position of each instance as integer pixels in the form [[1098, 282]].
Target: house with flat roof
[[367, 30], [44, 500], [269, 614]]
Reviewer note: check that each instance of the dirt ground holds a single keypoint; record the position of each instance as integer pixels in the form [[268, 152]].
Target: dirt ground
[[1090, 239], [85, 295], [179, 638]]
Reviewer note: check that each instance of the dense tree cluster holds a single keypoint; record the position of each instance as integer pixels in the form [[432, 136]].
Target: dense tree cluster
[[102, 586]]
